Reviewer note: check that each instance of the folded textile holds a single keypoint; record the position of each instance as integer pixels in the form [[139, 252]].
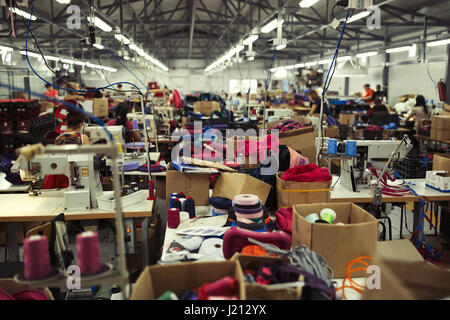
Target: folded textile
[[220, 203], [284, 219], [307, 173], [153, 168]]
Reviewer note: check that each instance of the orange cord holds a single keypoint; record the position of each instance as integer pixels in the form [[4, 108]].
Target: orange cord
[[353, 285]]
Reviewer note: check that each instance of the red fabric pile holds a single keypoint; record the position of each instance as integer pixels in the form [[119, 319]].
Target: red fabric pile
[[284, 219], [307, 173]]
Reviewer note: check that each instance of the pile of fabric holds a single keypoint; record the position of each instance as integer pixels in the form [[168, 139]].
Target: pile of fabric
[[288, 125], [307, 173], [226, 288]]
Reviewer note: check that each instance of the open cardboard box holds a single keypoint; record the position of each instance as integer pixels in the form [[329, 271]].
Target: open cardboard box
[[337, 244], [441, 162], [229, 185], [416, 280], [10, 286], [156, 280], [254, 291], [290, 193], [195, 185]]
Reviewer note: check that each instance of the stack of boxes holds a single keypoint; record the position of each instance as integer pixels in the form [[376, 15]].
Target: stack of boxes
[[440, 127]]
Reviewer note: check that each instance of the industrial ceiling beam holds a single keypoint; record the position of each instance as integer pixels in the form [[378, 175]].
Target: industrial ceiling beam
[[193, 16]]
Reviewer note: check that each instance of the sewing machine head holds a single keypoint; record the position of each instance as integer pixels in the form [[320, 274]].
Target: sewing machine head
[[98, 133], [82, 171]]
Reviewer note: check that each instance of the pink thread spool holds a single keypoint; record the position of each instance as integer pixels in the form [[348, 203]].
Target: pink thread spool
[[36, 257], [88, 253], [173, 218], [151, 190]]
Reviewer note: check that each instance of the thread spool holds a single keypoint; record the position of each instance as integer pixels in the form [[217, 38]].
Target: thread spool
[[313, 217], [181, 195], [350, 148], [176, 204], [340, 224], [212, 247], [328, 215], [36, 257], [151, 190], [246, 199], [135, 124], [226, 286], [173, 218], [190, 207], [88, 253], [332, 146]]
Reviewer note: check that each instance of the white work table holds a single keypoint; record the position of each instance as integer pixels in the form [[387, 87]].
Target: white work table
[[16, 208], [342, 194]]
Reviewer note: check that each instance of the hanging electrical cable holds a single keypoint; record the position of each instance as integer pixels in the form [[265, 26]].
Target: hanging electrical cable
[[53, 85]]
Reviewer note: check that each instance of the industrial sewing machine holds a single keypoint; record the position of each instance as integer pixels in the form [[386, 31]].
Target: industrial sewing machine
[[82, 171], [151, 123], [355, 171], [99, 133], [278, 114]]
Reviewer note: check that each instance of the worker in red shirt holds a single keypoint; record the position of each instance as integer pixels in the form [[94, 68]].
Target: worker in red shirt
[[369, 94], [50, 92]]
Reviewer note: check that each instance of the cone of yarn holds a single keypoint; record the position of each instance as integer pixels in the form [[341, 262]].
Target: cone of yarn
[[173, 218], [88, 253], [36, 257]]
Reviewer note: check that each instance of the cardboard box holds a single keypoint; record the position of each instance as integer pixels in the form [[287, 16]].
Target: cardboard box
[[332, 132], [346, 119], [438, 180], [250, 161], [441, 161], [290, 193], [442, 134], [301, 140], [195, 185], [440, 122], [100, 107], [206, 107], [337, 244], [229, 185], [11, 287], [156, 280], [433, 133], [255, 291], [418, 280]]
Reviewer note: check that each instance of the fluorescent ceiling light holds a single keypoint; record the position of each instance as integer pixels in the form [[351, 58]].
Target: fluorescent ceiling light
[[250, 39], [366, 54], [281, 47], [344, 58], [359, 16], [121, 38], [80, 63], [299, 65], [30, 54], [400, 49], [438, 43], [63, 1], [272, 25], [99, 23], [51, 58], [133, 47], [310, 64], [98, 46], [289, 67], [126, 58], [326, 61], [251, 58], [307, 3], [68, 61], [3, 48], [22, 13]]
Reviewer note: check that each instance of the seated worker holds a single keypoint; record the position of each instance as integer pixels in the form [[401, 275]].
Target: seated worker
[[72, 135], [315, 103], [121, 119], [368, 96], [379, 93], [420, 112]]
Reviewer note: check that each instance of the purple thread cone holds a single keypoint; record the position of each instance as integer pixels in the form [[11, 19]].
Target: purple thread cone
[[36, 257], [88, 253]]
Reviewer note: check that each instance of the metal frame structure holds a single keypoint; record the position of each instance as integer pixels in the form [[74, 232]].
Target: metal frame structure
[[204, 29]]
